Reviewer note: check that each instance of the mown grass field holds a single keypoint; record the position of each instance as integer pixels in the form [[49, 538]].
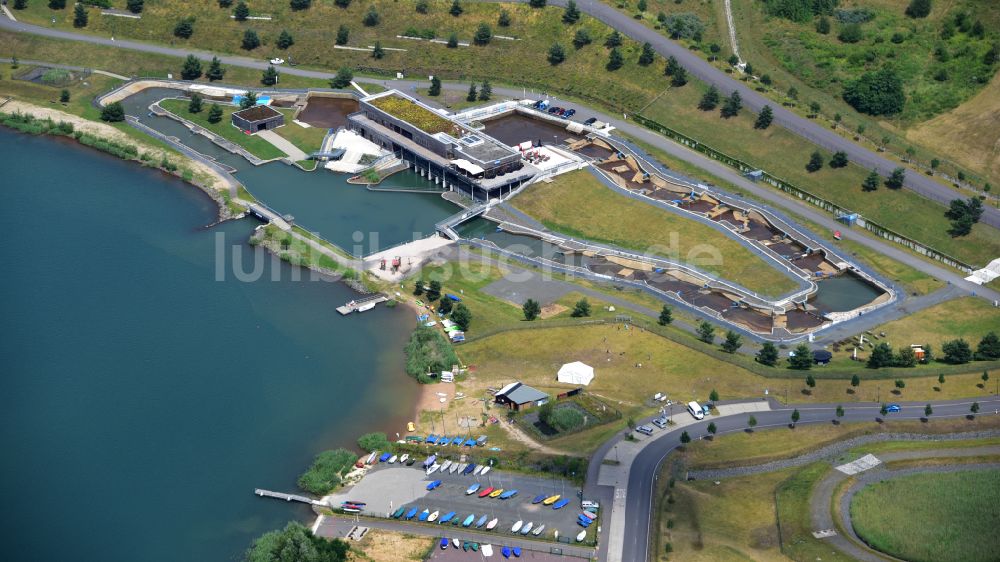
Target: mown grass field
[[932, 517], [578, 204], [256, 145], [308, 139], [901, 210], [314, 31]]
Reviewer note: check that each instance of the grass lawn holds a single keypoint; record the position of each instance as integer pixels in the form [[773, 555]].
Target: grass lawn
[[762, 446], [785, 155], [295, 251], [578, 204], [932, 517], [224, 128], [308, 139]]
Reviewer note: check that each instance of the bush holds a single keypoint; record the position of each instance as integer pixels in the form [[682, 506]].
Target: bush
[[683, 26], [428, 352], [857, 15], [566, 419], [374, 442], [296, 542], [113, 112], [850, 33], [876, 93], [919, 8], [326, 471], [371, 18]]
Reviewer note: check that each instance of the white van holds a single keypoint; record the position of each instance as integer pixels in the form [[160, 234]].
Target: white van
[[695, 409]]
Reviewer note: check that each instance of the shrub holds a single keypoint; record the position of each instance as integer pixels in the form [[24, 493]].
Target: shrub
[[113, 112], [184, 28], [428, 351], [876, 93], [134, 6], [919, 8], [250, 40], [683, 26], [483, 35], [326, 471], [850, 33], [373, 442], [857, 15], [371, 17]]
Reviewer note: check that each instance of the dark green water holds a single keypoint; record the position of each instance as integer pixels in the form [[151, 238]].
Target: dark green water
[[843, 292], [142, 400]]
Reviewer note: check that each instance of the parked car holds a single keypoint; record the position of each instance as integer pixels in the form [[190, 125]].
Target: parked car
[[660, 423], [892, 408], [277, 61], [590, 121], [645, 429]]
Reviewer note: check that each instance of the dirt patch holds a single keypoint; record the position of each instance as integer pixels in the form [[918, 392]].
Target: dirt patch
[[550, 310], [328, 113], [388, 546]]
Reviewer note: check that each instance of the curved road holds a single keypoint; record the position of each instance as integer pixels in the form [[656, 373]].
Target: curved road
[[805, 128], [642, 475]]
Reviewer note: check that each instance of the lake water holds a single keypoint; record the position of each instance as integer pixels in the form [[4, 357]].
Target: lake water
[[142, 400]]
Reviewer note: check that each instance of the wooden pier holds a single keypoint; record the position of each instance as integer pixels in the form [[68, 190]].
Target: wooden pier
[[362, 305], [286, 497]]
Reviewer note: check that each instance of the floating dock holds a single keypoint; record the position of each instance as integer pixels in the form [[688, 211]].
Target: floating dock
[[286, 497], [361, 305]]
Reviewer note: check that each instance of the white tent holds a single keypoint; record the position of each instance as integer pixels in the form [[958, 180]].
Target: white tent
[[576, 373]]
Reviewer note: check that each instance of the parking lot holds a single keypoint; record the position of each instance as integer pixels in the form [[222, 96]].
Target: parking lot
[[389, 487]]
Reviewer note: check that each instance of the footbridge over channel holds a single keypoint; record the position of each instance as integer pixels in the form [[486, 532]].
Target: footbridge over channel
[[268, 215], [447, 226]]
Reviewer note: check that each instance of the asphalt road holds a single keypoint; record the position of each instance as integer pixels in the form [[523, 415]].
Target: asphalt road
[[643, 474], [698, 67]]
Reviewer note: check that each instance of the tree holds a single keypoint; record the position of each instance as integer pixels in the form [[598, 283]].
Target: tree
[[20, 4], [285, 40], [685, 438], [985, 378], [270, 76], [871, 181], [706, 332], [928, 411], [536, 3], [462, 316], [941, 378], [483, 35], [810, 381], [250, 40], [581, 308], [733, 60], [672, 66], [456, 8], [80, 16], [613, 40], [764, 118], [342, 3], [713, 396], [840, 411], [680, 78], [215, 114], [641, 6], [191, 69], [714, 48], [300, 4], [823, 25], [582, 38], [974, 409], [989, 347], [647, 56], [615, 60], [195, 105], [453, 41], [531, 309], [710, 99], [378, 52], [485, 91], [711, 428], [895, 179], [242, 12], [732, 343], [801, 358], [855, 381], [850, 33], [372, 442], [956, 352], [435, 88], [422, 7], [249, 100], [905, 358], [795, 416], [963, 215], [768, 354], [766, 80], [64, 96], [57, 4], [343, 33], [434, 290], [751, 422], [371, 17], [876, 93], [881, 356], [225, 3], [572, 14], [184, 28], [918, 8], [839, 159], [134, 6], [732, 105], [113, 112], [342, 79], [666, 316], [884, 410], [295, 542], [472, 95], [815, 162], [504, 19]]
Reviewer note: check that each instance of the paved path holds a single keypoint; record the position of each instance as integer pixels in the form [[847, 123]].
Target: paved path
[[821, 500], [283, 145]]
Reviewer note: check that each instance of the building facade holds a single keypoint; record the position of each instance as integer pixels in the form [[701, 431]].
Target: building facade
[[258, 118]]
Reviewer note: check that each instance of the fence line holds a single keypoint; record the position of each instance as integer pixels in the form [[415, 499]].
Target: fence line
[[826, 205]]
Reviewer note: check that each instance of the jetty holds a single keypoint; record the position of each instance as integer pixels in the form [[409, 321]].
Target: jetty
[[287, 497], [361, 305]]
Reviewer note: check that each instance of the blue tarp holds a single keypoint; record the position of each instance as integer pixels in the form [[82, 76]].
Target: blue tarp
[[453, 297]]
